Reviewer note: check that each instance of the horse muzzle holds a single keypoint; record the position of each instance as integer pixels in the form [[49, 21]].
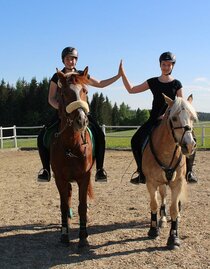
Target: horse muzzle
[[80, 121], [188, 149]]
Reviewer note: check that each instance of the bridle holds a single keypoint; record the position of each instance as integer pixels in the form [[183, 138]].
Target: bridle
[[186, 128], [71, 107], [169, 170]]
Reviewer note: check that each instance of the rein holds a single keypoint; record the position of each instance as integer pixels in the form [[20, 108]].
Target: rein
[[169, 171], [186, 128]]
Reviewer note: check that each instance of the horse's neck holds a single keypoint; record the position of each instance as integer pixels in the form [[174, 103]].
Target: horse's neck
[[69, 137], [163, 139]]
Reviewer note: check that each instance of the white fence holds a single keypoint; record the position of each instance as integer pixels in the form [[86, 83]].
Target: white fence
[[203, 137], [14, 135]]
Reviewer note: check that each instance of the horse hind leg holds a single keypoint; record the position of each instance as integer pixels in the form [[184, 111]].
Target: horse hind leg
[[163, 194]]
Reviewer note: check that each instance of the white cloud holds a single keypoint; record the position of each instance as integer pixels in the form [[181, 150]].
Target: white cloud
[[202, 80]]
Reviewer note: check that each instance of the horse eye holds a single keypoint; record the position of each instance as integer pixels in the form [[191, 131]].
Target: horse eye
[[84, 90], [174, 118]]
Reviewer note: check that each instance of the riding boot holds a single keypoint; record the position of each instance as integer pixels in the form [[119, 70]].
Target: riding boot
[[190, 175], [140, 178], [44, 173], [101, 174]]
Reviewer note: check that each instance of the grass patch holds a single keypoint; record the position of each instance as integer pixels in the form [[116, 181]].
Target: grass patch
[[119, 139]]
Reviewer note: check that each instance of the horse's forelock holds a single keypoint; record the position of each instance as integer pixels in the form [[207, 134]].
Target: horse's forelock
[[180, 102]]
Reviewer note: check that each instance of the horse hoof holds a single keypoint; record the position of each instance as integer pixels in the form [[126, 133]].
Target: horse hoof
[[83, 243], [153, 232], [173, 242]]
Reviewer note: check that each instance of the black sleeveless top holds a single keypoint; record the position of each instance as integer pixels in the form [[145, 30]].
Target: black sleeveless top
[[170, 89]]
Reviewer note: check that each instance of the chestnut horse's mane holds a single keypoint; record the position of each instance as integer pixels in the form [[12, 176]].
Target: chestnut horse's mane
[[75, 77]]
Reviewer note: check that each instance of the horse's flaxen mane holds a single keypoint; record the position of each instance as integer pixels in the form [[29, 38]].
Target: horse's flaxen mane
[[181, 103]]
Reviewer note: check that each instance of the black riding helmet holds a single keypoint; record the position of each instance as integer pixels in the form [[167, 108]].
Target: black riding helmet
[[69, 51], [167, 56]]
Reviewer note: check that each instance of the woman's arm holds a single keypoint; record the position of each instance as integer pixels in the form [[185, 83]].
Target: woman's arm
[[132, 89], [52, 95], [179, 93], [104, 83]]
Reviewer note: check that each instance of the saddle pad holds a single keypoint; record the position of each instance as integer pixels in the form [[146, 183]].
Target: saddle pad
[[49, 133], [92, 140]]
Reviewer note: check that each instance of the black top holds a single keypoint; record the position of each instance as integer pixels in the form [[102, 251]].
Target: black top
[[170, 89], [55, 76]]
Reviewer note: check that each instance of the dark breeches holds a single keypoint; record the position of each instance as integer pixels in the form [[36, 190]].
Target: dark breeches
[[138, 140], [99, 141], [43, 151]]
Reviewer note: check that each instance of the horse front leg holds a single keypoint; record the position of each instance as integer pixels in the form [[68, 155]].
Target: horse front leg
[[173, 239], [82, 210], [163, 194], [154, 229], [64, 207]]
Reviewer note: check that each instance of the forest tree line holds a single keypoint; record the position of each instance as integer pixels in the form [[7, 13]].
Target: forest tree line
[[26, 104]]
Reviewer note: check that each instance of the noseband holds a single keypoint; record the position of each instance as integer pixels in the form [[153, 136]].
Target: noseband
[[72, 107], [186, 128]]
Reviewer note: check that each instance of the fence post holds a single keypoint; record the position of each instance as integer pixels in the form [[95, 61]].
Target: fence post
[[203, 136], [104, 129], [15, 136], [1, 136]]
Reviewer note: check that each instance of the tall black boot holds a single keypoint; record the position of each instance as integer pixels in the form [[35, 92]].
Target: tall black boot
[[140, 178], [44, 174], [101, 175], [190, 175]]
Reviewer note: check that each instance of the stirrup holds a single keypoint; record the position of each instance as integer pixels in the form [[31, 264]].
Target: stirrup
[[139, 179], [41, 177], [101, 178], [191, 177]]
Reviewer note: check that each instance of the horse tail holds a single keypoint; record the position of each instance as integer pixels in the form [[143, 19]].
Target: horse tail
[[90, 190]]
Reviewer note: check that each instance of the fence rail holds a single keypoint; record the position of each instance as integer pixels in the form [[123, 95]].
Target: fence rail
[[202, 135]]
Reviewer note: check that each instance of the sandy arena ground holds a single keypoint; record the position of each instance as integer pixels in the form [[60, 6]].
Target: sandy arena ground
[[119, 220]]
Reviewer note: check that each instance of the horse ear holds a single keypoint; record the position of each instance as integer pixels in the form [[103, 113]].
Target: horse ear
[[61, 77], [190, 98], [86, 71], [168, 100]]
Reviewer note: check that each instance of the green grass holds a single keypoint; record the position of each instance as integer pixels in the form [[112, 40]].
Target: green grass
[[117, 139]]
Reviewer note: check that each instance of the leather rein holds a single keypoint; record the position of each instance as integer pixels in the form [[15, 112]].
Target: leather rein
[[169, 170]]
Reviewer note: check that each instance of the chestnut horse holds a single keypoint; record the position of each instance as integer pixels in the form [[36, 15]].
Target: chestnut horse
[[164, 163], [71, 151]]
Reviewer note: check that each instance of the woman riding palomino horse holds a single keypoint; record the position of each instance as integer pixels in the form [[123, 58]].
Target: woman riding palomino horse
[[164, 84], [71, 150], [69, 58], [164, 163]]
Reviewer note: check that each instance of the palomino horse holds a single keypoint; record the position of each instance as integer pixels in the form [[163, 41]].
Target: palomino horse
[[71, 150], [164, 162]]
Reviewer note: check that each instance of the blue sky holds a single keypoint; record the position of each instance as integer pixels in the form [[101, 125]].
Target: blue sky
[[33, 34]]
